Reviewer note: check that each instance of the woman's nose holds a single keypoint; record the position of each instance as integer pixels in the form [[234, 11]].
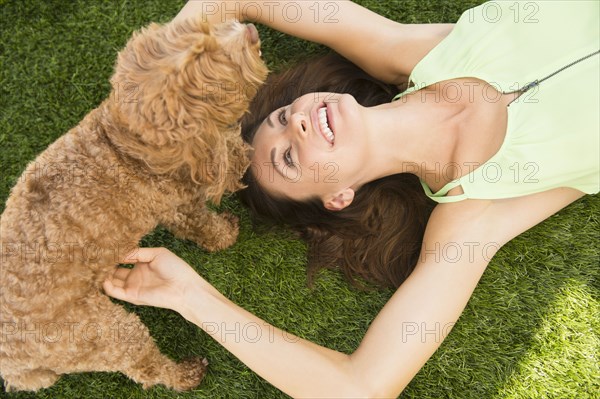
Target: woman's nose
[[299, 124]]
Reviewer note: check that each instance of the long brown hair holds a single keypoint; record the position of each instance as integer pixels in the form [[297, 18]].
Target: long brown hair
[[378, 237]]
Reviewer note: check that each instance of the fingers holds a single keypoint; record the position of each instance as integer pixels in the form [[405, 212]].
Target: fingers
[[114, 291], [117, 282], [145, 255], [120, 274]]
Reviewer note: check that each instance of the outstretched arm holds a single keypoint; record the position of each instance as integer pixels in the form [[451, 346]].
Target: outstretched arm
[[395, 347], [386, 49], [400, 339]]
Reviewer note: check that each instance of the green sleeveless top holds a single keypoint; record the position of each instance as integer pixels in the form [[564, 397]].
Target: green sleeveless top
[[553, 131]]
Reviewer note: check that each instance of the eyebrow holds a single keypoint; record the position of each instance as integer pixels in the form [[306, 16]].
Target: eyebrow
[[269, 121]]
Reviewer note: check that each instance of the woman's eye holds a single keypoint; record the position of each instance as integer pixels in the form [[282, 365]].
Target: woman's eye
[[281, 117], [287, 157]]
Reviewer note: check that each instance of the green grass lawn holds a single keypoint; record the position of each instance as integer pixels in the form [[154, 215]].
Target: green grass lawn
[[531, 329]]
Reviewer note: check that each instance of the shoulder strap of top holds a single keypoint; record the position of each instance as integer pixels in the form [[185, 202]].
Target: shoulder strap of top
[[440, 196], [405, 92]]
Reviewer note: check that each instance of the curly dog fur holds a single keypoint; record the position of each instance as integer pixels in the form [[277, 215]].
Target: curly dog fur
[[166, 141]]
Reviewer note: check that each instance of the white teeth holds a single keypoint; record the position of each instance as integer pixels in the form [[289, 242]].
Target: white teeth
[[322, 113]]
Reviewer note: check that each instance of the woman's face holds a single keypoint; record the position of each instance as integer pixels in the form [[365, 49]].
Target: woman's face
[[313, 147]]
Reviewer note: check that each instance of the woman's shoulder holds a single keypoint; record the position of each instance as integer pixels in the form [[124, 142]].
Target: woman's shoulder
[[414, 41]]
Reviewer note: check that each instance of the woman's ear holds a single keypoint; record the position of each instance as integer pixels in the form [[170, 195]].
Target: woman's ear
[[340, 200]]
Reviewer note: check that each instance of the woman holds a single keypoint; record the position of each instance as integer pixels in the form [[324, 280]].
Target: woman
[[450, 129]]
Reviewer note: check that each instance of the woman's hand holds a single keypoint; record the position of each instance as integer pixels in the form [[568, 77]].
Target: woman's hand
[[159, 278]]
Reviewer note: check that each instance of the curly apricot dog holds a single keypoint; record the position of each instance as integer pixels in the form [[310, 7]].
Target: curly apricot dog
[[166, 141]]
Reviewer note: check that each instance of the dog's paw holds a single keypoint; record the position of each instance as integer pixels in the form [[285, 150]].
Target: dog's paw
[[225, 235], [233, 220], [191, 373]]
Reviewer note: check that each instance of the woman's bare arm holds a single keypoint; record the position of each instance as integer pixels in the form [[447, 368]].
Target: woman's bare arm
[[386, 49], [409, 328], [402, 337], [406, 332]]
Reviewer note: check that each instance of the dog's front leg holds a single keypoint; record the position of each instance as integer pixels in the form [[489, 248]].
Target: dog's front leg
[[208, 229]]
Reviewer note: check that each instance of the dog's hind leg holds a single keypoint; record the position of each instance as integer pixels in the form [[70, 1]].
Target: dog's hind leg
[[29, 380], [153, 368], [106, 337], [208, 229], [132, 351]]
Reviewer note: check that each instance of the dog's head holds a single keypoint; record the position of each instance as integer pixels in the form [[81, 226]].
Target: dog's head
[[180, 90]]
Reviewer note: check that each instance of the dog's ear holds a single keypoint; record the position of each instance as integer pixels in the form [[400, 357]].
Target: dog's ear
[[151, 89], [163, 120], [238, 160], [228, 165]]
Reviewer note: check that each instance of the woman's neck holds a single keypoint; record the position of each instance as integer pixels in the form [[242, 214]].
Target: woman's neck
[[417, 134]]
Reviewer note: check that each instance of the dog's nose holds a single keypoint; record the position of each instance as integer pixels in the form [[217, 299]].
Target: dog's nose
[[252, 33]]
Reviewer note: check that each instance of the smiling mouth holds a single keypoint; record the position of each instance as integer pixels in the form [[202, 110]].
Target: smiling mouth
[[326, 131]]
